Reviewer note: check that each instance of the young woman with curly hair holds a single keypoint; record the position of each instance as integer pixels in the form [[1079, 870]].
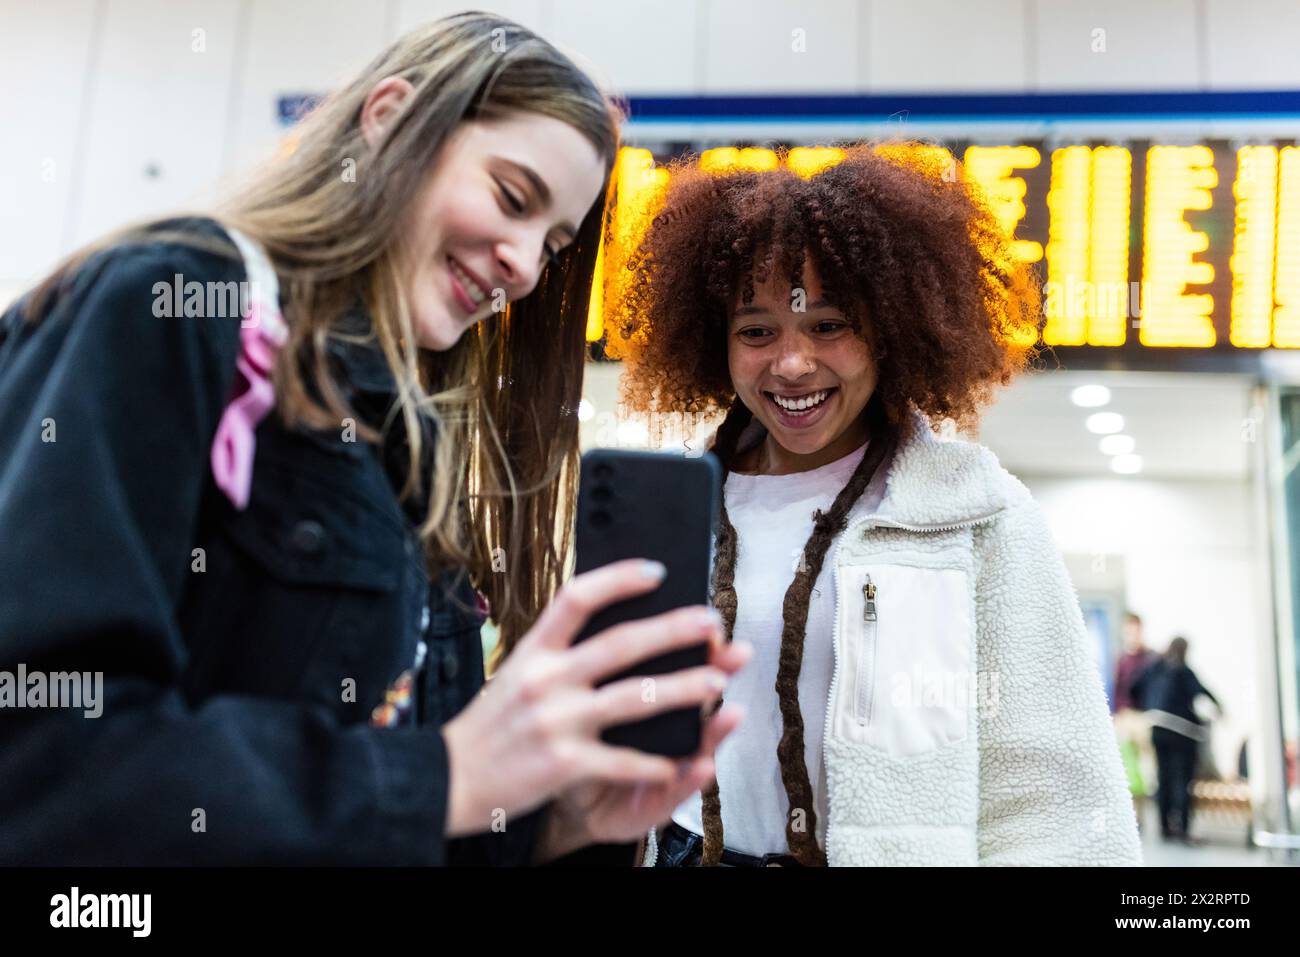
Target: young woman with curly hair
[[936, 702]]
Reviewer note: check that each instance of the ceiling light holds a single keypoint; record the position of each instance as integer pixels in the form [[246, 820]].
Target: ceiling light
[[1103, 423], [1116, 444], [1090, 396]]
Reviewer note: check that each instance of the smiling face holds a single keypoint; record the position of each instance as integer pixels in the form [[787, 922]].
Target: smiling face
[[505, 197], [806, 376]]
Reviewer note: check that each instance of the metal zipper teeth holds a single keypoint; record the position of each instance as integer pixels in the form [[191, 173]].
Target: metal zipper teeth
[[835, 628], [863, 696], [887, 523], [830, 695], [866, 678]]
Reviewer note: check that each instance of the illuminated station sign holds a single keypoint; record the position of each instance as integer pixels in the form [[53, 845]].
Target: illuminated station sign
[[1137, 244]]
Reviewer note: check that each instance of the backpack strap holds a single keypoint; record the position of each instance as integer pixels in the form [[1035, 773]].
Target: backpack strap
[[262, 332]]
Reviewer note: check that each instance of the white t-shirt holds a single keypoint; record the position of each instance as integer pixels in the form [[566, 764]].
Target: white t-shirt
[[773, 518]]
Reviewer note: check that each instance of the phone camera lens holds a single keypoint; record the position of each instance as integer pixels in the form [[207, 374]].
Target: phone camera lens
[[603, 470]]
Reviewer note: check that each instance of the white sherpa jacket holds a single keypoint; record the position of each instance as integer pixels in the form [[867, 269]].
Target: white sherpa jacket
[[966, 723]]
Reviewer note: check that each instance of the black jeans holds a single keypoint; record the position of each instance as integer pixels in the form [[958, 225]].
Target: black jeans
[[679, 847], [1175, 767]]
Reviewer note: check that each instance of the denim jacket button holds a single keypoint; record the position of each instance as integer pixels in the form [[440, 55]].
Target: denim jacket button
[[450, 667], [307, 537]]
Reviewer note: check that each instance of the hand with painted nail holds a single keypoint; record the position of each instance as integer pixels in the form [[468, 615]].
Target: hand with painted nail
[[533, 733], [602, 812]]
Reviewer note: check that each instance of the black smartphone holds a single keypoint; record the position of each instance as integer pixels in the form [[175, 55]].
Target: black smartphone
[[661, 506]]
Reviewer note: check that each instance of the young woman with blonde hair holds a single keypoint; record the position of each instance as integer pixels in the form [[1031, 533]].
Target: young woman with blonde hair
[[264, 526]]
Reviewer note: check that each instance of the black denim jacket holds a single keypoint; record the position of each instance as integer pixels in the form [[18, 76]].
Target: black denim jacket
[[238, 681]]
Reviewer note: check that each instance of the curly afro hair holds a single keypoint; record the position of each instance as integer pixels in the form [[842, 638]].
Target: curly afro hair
[[905, 250]]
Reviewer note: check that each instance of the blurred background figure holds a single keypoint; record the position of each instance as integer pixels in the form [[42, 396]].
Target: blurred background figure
[[1167, 690], [1131, 726]]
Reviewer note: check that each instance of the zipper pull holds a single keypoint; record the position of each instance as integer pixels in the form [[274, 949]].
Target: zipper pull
[[868, 600]]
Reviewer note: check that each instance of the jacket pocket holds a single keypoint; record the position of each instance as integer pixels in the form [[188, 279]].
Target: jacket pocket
[[905, 641], [306, 598], [304, 531]]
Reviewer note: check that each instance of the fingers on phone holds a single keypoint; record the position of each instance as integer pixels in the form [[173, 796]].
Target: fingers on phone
[[584, 595], [628, 765], [624, 645], [633, 699], [702, 771], [731, 657], [719, 726]]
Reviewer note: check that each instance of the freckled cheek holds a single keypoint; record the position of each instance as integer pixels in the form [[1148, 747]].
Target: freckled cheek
[[857, 370], [853, 359], [745, 371]]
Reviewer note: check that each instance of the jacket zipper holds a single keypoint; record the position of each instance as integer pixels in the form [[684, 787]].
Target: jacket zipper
[[835, 627], [888, 523], [863, 700]]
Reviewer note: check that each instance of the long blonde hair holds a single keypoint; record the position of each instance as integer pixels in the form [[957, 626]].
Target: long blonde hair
[[504, 399]]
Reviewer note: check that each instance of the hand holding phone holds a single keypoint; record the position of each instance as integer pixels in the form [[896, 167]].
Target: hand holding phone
[[533, 732], [660, 506]]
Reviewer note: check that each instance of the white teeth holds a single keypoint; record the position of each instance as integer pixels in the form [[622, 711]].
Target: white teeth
[[801, 404], [471, 287]]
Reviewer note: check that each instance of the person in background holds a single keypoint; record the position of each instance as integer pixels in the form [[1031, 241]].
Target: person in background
[[1137, 658], [1131, 727], [1166, 690]]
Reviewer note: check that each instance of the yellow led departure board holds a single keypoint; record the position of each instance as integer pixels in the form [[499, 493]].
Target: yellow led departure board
[[1137, 245]]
